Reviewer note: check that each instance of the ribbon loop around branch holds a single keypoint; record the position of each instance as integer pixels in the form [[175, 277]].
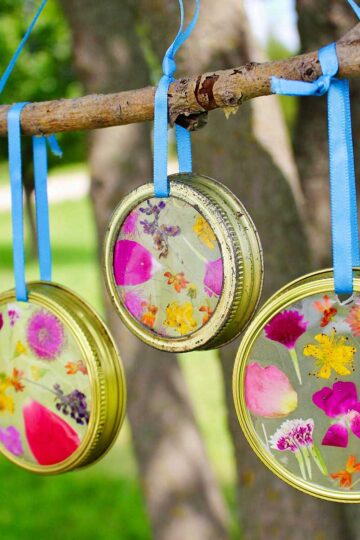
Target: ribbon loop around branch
[[344, 221], [161, 184]]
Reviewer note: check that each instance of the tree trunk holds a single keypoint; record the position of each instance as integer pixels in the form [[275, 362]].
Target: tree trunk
[[229, 151], [182, 495], [320, 23]]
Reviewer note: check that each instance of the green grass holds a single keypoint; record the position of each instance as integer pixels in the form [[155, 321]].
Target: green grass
[[104, 501]]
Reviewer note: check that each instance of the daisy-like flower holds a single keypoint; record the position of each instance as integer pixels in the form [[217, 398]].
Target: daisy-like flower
[[345, 477], [45, 335], [178, 281], [204, 232], [353, 319], [286, 328], [296, 436], [331, 353], [340, 403], [180, 317]]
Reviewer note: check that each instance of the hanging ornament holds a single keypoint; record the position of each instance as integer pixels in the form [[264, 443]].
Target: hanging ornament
[[183, 260], [296, 377], [62, 386]]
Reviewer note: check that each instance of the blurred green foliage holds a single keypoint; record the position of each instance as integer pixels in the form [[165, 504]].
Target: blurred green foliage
[[44, 69]]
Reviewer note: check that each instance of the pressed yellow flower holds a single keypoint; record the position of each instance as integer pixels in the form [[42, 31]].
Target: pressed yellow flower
[[20, 349], [6, 403], [331, 353], [205, 233], [180, 317]]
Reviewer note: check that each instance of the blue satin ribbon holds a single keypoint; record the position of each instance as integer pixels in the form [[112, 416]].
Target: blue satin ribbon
[[161, 184], [344, 221], [21, 45], [41, 200]]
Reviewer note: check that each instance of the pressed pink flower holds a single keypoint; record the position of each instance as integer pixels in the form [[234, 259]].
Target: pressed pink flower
[[1, 321], [353, 319], [45, 335], [213, 280], [51, 439], [268, 391], [286, 328], [339, 402], [129, 225], [13, 314], [296, 436], [133, 263], [11, 439], [134, 304]]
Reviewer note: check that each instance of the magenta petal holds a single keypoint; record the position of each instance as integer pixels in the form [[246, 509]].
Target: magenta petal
[[320, 398], [340, 400], [213, 280], [355, 424], [133, 263], [336, 435]]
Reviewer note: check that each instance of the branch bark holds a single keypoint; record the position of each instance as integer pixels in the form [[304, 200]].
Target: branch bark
[[189, 98]]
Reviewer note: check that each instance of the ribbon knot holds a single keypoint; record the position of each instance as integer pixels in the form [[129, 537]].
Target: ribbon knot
[[322, 85], [169, 66], [344, 221]]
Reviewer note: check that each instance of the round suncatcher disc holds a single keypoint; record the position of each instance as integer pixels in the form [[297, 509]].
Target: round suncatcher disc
[[296, 387], [184, 272], [62, 387]]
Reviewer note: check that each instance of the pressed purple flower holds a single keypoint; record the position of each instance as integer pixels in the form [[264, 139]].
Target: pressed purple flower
[[11, 439], [45, 335], [286, 328], [129, 225], [339, 402], [73, 404], [1, 321]]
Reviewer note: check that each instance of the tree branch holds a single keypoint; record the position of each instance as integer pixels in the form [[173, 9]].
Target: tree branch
[[189, 98]]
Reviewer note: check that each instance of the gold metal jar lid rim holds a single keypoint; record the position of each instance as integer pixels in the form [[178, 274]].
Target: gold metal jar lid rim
[[252, 267], [210, 210], [318, 282], [104, 366]]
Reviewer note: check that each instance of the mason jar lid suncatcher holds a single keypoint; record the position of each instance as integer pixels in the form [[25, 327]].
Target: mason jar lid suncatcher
[[296, 377], [183, 260], [62, 386]]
